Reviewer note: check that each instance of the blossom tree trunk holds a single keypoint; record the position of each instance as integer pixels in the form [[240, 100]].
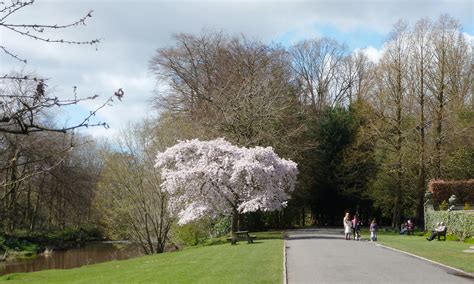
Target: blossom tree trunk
[[235, 221]]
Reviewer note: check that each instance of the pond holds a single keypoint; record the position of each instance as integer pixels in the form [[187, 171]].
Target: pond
[[89, 254]]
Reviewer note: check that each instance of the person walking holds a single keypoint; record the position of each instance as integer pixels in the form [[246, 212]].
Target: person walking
[[373, 230], [347, 226]]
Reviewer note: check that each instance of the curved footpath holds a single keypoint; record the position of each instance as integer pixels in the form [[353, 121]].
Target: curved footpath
[[324, 256]]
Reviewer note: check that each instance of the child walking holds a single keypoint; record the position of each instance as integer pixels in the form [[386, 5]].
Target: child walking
[[373, 230]]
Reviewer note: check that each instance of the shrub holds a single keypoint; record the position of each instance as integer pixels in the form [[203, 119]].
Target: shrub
[[15, 244], [444, 205], [459, 223], [191, 234], [221, 227], [467, 206]]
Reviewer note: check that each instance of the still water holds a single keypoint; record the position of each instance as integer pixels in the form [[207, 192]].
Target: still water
[[89, 254]]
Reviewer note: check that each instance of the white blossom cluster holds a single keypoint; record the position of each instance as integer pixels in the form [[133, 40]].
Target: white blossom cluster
[[210, 178]]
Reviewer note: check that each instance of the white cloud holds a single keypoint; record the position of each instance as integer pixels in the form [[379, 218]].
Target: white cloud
[[374, 54], [469, 38], [132, 30]]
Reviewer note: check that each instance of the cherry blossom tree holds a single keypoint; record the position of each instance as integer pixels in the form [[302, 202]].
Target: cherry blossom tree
[[212, 178]]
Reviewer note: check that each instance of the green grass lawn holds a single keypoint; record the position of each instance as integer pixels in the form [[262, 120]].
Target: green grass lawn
[[261, 262], [446, 252]]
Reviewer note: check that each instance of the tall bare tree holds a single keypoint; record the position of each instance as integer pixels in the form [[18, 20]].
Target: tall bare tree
[[421, 61], [444, 36], [393, 80], [232, 86], [318, 64], [130, 200]]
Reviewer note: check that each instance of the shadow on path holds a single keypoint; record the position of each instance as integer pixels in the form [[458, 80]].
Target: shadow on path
[[299, 237]]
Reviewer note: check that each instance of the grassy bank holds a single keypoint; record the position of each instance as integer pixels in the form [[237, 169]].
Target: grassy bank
[[446, 252], [261, 262]]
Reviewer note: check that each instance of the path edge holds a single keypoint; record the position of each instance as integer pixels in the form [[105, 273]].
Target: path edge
[[464, 273], [285, 275]]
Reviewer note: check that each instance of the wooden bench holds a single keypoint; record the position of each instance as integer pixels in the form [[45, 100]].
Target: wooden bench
[[241, 236], [442, 234]]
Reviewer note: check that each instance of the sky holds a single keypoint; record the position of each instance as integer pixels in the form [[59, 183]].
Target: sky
[[132, 31]]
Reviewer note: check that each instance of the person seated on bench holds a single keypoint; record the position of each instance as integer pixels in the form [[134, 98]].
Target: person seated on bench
[[438, 230], [442, 233], [403, 228], [410, 227]]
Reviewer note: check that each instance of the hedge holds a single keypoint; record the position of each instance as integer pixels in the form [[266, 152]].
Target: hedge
[[442, 190], [459, 223]]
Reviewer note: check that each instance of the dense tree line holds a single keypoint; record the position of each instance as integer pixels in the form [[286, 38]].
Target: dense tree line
[[45, 183], [367, 135]]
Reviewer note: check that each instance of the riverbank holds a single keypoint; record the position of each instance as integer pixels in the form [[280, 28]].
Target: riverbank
[[90, 253], [261, 262], [23, 244]]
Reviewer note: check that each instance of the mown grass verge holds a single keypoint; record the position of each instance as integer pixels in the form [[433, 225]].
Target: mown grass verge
[[261, 262], [446, 252]]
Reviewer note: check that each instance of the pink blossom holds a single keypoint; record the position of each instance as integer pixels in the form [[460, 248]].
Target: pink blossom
[[211, 178]]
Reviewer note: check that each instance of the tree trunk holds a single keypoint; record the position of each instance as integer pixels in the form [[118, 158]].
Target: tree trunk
[[439, 118], [11, 205], [399, 167], [421, 166], [235, 221]]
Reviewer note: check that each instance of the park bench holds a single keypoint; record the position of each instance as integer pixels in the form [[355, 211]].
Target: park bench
[[442, 233], [241, 236]]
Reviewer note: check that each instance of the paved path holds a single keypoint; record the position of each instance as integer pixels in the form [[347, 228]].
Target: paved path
[[324, 256]]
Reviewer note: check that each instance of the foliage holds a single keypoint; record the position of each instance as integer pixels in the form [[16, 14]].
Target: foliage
[[200, 231], [130, 201], [189, 235], [192, 233], [342, 165], [459, 223], [47, 184], [22, 243], [17, 246], [467, 206], [213, 178], [444, 205], [460, 163]]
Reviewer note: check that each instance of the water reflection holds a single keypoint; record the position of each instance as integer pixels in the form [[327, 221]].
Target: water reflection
[[91, 253]]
